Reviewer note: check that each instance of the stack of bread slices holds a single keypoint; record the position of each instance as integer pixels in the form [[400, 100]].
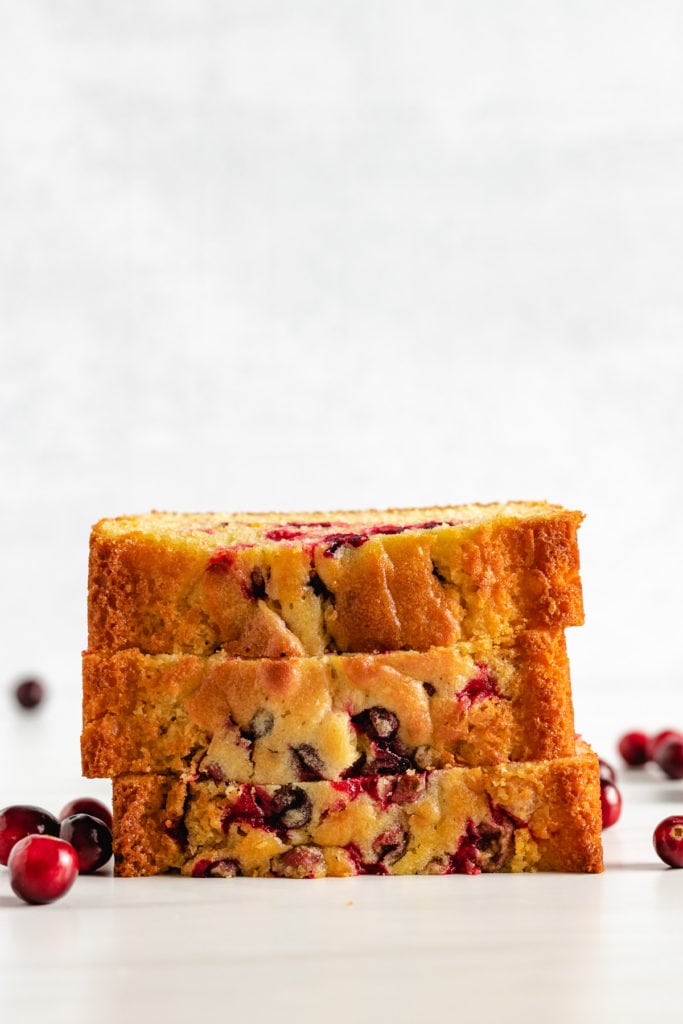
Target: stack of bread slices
[[307, 695]]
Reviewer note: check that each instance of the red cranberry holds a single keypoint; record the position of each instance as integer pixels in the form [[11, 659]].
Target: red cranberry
[[29, 693], [656, 741], [23, 820], [633, 747], [87, 805], [607, 772], [90, 838], [668, 841], [670, 756], [610, 800], [42, 868]]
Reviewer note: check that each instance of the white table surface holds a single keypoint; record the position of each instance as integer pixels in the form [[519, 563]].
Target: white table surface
[[566, 948]]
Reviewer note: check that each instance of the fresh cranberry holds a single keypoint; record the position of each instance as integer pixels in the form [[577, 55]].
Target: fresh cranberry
[[668, 841], [607, 772], [90, 838], [654, 741], [610, 800], [23, 820], [633, 747], [29, 693], [87, 805], [670, 756], [42, 868]]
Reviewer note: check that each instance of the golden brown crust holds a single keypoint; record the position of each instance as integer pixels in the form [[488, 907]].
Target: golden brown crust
[[542, 816], [276, 721], [269, 586]]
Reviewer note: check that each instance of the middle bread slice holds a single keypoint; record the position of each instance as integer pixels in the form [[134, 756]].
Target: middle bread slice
[[479, 702]]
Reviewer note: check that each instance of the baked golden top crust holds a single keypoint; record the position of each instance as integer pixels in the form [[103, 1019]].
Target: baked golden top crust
[[279, 585], [277, 721], [539, 816], [211, 530]]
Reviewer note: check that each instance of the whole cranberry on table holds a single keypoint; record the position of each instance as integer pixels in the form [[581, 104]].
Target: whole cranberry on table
[[42, 868], [669, 756], [29, 693], [668, 840], [656, 741], [87, 805], [21, 820], [665, 748], [44, 855], [90, 838], [634, 748]]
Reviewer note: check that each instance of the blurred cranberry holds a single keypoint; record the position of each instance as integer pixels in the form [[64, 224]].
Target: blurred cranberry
[[670, 757], [607, 772], [29, 693], [633, 747], [656, 741]]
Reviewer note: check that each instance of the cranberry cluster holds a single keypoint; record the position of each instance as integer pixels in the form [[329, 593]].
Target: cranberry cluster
[[44, 854], [665, 749]]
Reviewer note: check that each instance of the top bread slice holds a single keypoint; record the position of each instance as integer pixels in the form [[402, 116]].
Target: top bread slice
[[264, 585]]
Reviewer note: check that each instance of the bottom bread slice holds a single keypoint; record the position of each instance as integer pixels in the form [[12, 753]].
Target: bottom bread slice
[[529, 816]]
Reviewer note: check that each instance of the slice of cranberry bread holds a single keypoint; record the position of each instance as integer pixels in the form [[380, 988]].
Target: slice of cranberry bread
[[535, 816], [272, 585], [337, 716]]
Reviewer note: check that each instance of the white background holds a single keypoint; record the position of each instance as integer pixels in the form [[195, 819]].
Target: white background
[[263, 255], [269, 255]]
